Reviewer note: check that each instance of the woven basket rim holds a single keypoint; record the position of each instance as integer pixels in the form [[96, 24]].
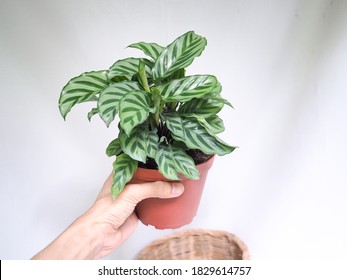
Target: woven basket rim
[[191, 232]]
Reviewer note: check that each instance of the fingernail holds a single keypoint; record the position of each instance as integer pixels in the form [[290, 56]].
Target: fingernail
[[177, 189]]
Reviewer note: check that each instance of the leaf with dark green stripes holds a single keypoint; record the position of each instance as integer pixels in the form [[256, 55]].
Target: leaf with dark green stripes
[[184, 164], [165, 161], [113, 148], [201, 107], [124, 169], [152, 143], [187, 88], [108, 103], [217, 98], [153, 50], [81, 89], [194, 135], [174, 123], [179, 54], [128, 67], [134, 109], [124, 68], [217, 89], [135, 145], [92, 112], [213, 124]]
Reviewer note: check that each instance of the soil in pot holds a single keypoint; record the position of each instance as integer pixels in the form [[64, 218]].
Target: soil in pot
[[198, 157]]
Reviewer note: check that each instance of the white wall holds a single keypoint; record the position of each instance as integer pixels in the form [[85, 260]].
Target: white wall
[[281, 63]]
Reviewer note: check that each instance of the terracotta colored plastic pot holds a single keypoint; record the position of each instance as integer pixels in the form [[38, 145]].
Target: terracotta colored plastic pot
[[174, 212]]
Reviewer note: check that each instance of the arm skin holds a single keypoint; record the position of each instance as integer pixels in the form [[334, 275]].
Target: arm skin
[[107, 224]]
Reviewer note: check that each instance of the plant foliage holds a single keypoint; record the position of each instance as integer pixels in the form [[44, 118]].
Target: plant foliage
[[162, 112]]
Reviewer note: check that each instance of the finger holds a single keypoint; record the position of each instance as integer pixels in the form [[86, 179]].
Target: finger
[[125, 203], [129, 226], [120, 235]]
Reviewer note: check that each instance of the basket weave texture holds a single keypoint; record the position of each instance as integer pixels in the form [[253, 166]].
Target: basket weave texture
[[196, 245]]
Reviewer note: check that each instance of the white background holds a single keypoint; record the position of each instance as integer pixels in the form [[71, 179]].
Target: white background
[[282, 65]]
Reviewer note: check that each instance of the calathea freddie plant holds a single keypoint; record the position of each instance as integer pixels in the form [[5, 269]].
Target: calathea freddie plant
[[163, 113]]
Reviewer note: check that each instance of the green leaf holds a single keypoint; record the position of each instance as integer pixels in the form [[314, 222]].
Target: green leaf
[[184, 164], [135, 145], [153, 50], [218, 98], [81, 89], [165, 161], [213, 124], [187, 88], [201, 107], [127, 68], [142, 76], [92, 112], [179, 54], [113, 148], [124, 68], [217, 89], [152, 143], [108, 104], [194, 135], [134, 109], [124, 169], [180, 73]]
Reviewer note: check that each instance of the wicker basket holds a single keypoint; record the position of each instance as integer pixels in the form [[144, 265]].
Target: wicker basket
[[196, 245]]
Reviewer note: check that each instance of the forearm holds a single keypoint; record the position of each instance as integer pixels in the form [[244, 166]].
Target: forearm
[[79, 241]]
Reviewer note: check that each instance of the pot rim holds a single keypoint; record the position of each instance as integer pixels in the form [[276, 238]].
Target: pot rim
[[155, 175]]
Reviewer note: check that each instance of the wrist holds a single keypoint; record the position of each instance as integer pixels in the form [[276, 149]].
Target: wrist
[[81, 240]]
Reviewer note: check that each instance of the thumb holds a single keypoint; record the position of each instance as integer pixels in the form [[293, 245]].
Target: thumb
[[137, 192], [157, 189], [127, 200]]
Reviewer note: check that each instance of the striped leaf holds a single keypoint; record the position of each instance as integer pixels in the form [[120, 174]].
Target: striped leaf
[[124, 68], [92, 112], [153, 50], [165, 161], [127, 68], [81, 89], [184, 164], [201, 107], [174, 123], [124, 169], [108, 104], [179, 54], [187, 88], [213, 124], [194, 135], [217, 89], [152, 143], [218, 98], [113, 148], [135, 145], [134, 109]]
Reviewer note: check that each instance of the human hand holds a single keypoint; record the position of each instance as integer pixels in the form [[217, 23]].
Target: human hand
[[108, 223]]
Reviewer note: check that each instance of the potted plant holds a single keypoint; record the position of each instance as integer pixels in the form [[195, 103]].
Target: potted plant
[[167, 122]]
